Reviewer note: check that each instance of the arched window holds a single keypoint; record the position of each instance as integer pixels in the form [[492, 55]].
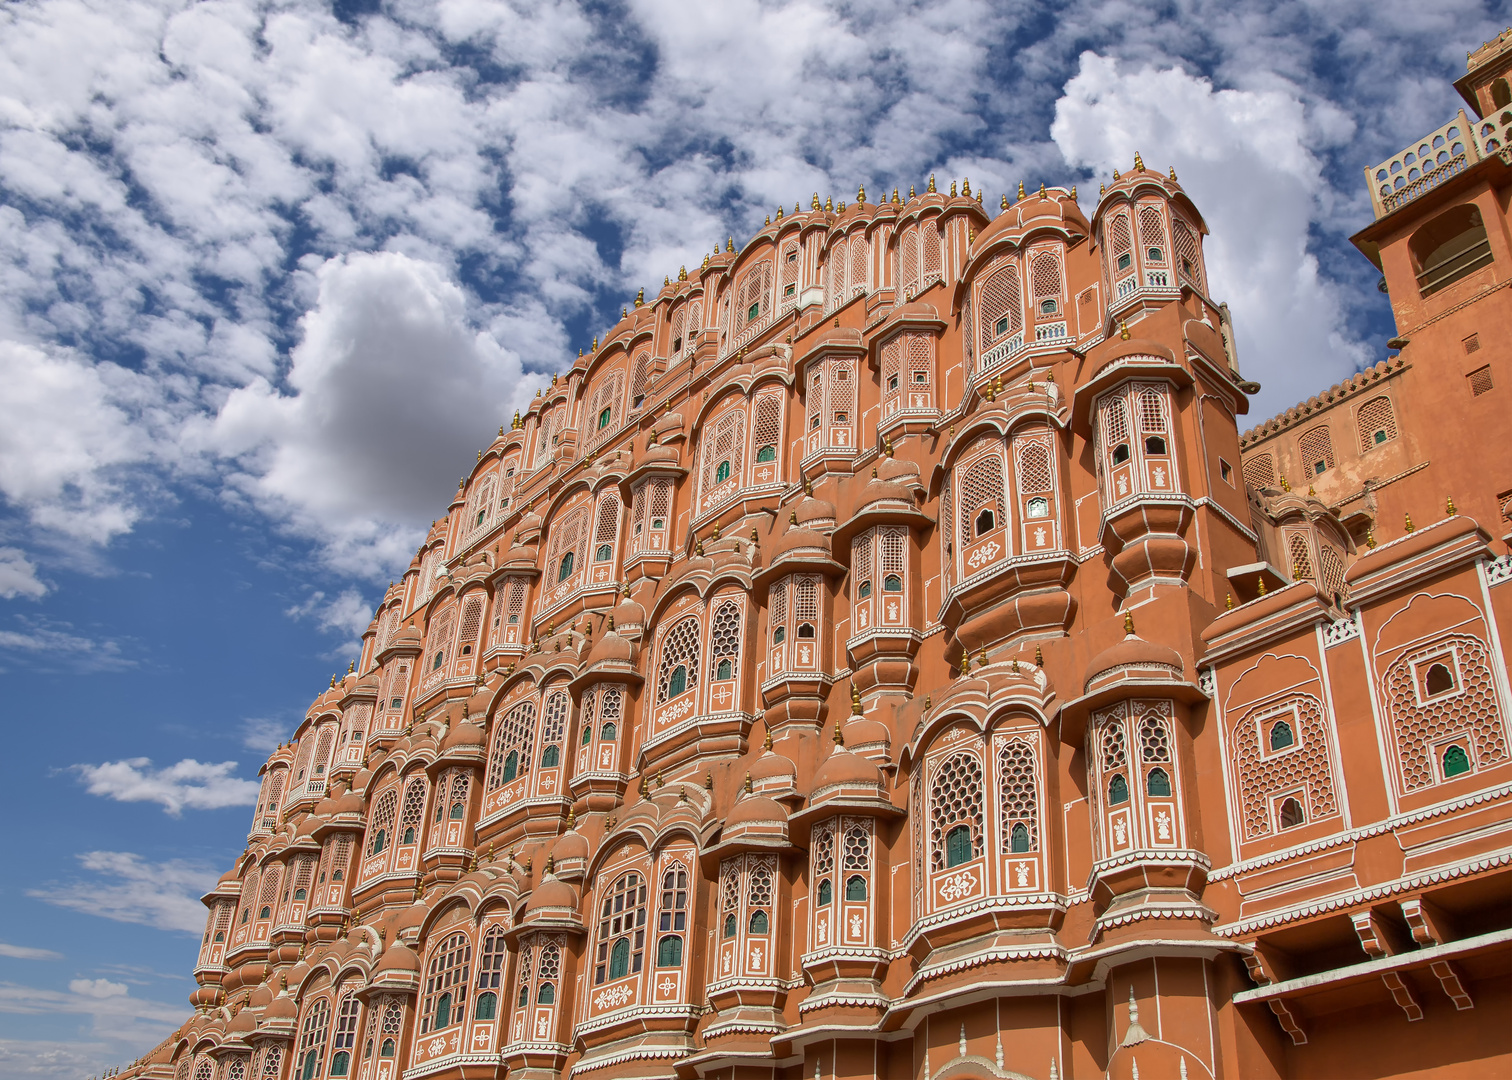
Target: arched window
[[486, 1007], [491, 964], [414, 810], [984, 522], [622, 929], [826, 891], [679, 661], [806, 630], [855, 887], [957, 846], [1154, 444], [550, 756], [603, 419], [1001, 306], [729, 925], [604, 553], [892, 583], [1118, 791], [511, 766], [724, 640], [766, 453], [446, 983], [1281, 735], [1377, 423], [513, 743], [346, 1035], [1158, 782], [1456, 761], [383, 820], [607, 732], [669, 951], [1019, 841], [722, 472], [759, 923], [1501, 95], [564, 568], [1292, 814], [1439, 680], [546, 994], [312, 1038]]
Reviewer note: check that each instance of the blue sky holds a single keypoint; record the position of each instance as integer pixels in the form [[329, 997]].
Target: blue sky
[[270, 273]]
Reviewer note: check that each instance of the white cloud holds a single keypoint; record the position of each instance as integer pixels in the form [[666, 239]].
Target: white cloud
[[114, 1015], [50, 646], [264, 732], [26, 952], [129, 889], [1244, 158], [42, 1059], [18, 577], [198, 785], [391, 395], [98, 988]]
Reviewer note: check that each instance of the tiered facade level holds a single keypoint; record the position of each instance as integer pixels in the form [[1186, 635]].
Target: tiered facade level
[[882, 656]]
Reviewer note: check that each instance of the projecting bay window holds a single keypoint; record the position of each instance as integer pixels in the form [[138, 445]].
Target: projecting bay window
[[831, 407], [1135, 442]]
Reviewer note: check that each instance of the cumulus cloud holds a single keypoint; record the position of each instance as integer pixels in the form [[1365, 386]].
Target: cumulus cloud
[[127, 888], [26, 952], [1244, 157], [389, 395], [198, 785]]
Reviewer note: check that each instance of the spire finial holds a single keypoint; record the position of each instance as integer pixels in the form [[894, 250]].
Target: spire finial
[[966, 186], [861, 194], [1004, 204], [766, 744], [1123, 330], [952, 189], [708, 781], [855, 700], [911, 193], [1138, 162], [1173, 172], [931, 183], [640, 298], [1021, 189], [1408, 520], [748, 783], [1260, 584], [1039, 657], [1449, 505], [1228, 602], [1128, 622]]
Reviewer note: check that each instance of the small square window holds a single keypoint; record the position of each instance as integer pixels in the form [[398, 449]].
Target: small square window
[[754, 311], [1480, 381], [792, 256], [790, 290], [921, 377], [1001, 327], [1226, 471], [892, 383], [1318, 467], [841, 418], [1125, 261]]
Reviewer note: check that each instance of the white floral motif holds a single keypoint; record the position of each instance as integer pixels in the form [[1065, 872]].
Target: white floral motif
[[1039, 536], [983, 555], [1120, 832], [666, 986], [958, 886], [892, 611], [1022, 872], [1159, 477], [855, 925], [1163, 825], [824, 933], [542, 1026], [1123, 486], [861, 618], [756, 954], [613, 997], [435, 1046]]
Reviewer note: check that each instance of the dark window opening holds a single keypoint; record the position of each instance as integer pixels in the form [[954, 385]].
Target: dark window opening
[[826, 892], [678, 681], [985, 522], [766, 453], [511, 766], [729, 925], [1456, 761], [1048, 307], [1292, 814], [604, 419], [1118, 791], [724, 670], [1155, 445], [958, 846], [604, 553], [1281, 736], [863, 590], [486, 1007], [546, 995], [759, 922], [754, 311], [669, 951], [892, 583], [1158, 782], [722, 472], [1001, 328], [790, 290], [1451, 246], [855, 887], [805, 630], [1154, 254], [1125, 261], [564, 570], [1019, 839], [1120, 453], [779, 635], [1439, 680], [552, 755]]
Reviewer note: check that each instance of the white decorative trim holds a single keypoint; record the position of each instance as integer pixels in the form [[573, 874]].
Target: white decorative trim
[[1361, 896], [1047, 950], [619, 1016], [1192, 910], [589, 1064], [954, 914], [1207, 681], [1139, 855], [1499, 570]]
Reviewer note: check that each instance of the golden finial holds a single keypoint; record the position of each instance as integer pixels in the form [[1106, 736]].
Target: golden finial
[[571, 821], [1311, 490], [1128, 622], [793, 518], [965, 662], [666, 281], [351, 666], [855, 699], [1138, 162], [1298, 571], [705, 262], [729, 243], [979, 196], [1039, 657], [708, 781], [952, 189], [982, 656], [755, 536], [1228, 601], [828, 205], [715, 534], [1285, 484], [970, 236], [624, 312], [1449, 505], [698, 548], [1015, 665], [1102, 189], [748, 783], [1260, 584], [1123, 330], [661, 780], [766, 744], [640, 297], [911, 194], [1073, 192], [1116, 177], [1042, 189], [1173, 172], [887, 446], [595, 349], [682, 273], [1408, 519], [1021, 189], [928, 702], [480, 453], [861, 193], [838, 736], [814, 202], [966, 186], [808, 487], [895, 198], [931, 184], [1004, 204]]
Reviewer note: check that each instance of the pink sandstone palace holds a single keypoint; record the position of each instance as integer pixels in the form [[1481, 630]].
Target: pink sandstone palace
[[883, 655]]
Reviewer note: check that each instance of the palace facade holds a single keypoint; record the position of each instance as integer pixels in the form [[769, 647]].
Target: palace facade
[[883, 655]]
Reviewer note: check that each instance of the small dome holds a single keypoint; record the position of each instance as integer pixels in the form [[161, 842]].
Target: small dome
[[773, 769], [309, 825], [261, 997], [611, 648], [879, 492], [814, 512], [756, 810], [407, 636], [1055, 207], [464, 735], [410, 918], [281, 1008], [897, 469], [570, 846], [348, 802], [552, 894], [802, 542], [398, 957], [1134, 656], [229, 878], [628, 613], [845, 769]]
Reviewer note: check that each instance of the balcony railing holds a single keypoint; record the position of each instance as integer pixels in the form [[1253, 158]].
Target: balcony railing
[[1433, 159]]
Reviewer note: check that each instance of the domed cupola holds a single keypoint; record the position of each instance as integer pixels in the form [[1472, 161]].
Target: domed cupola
[[773, 775], [569, 855]]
